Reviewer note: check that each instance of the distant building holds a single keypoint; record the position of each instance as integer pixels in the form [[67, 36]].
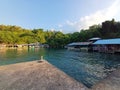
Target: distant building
[[38, 45], [46, 45], [31, 45], [94, 39], [2, 46], [97, 45], [91, 46], [79, 46], [86, 46], [107, 45]]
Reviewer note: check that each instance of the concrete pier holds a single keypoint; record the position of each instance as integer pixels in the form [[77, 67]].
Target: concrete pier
[[40, 75], [36, 75]]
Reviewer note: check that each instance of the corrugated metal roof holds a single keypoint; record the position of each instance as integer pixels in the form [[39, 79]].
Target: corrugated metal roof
[[96, 38], [79, 43], [108, 41]]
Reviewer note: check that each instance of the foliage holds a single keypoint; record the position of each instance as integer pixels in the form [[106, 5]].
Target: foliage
[[17, 35]]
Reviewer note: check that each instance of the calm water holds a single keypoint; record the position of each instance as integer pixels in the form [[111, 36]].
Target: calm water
[[85, 67]]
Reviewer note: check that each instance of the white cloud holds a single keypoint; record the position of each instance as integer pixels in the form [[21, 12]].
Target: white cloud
[[96, 18], [52, 29], [60, 25], [61, 30], [70, 23]]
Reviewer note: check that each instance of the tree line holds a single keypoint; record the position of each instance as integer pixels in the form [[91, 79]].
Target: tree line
[[16, 35]]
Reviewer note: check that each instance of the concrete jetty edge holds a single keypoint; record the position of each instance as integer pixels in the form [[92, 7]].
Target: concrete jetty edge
[[41, 75], [36, 75]]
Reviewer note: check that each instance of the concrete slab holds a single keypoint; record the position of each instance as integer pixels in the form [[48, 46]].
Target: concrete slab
[[36, 76], [41, 75]]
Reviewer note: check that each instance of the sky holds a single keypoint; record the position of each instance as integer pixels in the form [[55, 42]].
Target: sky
[[61, 15]]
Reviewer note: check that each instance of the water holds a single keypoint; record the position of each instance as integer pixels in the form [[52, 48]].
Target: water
[[88, 68]]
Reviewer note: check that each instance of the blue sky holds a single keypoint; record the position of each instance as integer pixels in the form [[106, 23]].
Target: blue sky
[[61, 15]]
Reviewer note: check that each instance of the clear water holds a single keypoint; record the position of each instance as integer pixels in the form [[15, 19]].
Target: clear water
[[88, 68]]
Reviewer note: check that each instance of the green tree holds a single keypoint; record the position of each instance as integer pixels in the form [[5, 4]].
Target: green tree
[[39, 35]]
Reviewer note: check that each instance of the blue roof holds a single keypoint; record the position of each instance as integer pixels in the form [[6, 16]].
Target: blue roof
[[108, 41]]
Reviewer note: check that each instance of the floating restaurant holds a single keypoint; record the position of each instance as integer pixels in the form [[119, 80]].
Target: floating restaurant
[[107, 45], [97, 45], [82, 46]]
